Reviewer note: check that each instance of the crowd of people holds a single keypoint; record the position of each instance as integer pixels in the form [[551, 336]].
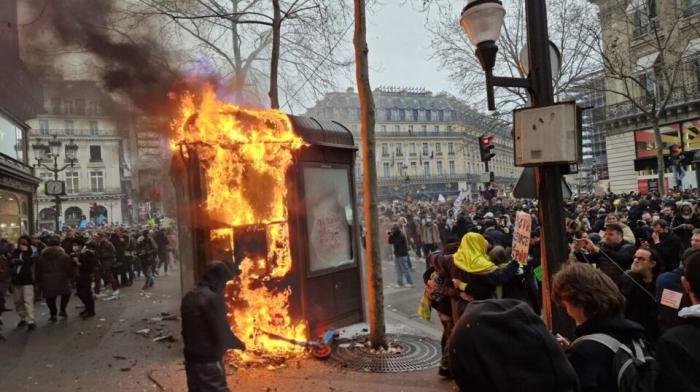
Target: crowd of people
[[93, 264], [631, 283]]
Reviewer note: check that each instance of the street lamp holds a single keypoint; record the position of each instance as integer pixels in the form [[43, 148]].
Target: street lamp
[[52, 150]]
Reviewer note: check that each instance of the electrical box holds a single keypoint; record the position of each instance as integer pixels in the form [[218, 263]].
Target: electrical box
[[547, 135]]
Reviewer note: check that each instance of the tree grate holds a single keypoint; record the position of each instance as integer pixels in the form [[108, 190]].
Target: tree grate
[[417, 353]]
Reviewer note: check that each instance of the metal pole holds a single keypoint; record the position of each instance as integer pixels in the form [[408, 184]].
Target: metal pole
[[551, 205]]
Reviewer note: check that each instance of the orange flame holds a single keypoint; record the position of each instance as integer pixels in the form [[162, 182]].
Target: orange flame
[[245, 154]]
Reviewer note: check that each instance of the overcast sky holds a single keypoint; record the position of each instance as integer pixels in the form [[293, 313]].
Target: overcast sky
[[399, 47]]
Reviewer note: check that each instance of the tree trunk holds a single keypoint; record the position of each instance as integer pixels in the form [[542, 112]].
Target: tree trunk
[[660, 164], [275, 58], [375, 294]]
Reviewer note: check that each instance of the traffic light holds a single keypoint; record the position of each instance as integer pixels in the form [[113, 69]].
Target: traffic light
[[485, 147]]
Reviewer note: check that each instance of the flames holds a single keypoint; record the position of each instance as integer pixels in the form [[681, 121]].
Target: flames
[[245, 154]]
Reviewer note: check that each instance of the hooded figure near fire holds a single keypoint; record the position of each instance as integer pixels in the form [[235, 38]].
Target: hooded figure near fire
[[205, 331]]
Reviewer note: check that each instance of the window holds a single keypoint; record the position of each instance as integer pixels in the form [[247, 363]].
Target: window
[[414, 169], [413, 148], [696, 67], [397, 128], [426, 169], [439, 168], [450, 148], [44, 127], [97, 181], [415, 114], [93, 128], [72, 182], [441, 116], [95, 154], [424, 128], [437, 129], [438, 148], [402, 115], [385, 149], [449, 128], [56, 106], [428, 116], [452, 167], [68, 107], [398, 149], [68, 127], [425, 149], [93, 108], [386, 169], [383, 128], [410, 129], [80, 107]]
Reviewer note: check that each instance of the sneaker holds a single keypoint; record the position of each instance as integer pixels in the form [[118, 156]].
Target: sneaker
[[409, 286], [22, 323], [31, 327]]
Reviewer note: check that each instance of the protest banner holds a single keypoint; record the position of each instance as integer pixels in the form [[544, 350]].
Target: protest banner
[[521, 237]]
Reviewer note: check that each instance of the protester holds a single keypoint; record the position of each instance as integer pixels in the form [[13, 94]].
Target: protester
[[667, 244], [639, 291], [146, 250], [594, 301], [205, 331], [613, 255], [107, 255], [400, 244], [503, 346], [54, 273], [678, 349], [5, 274], [23, 259], [161, 240], [85, 257]]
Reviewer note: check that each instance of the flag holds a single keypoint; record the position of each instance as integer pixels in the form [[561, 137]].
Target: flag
[[458, 202], [441, 198]]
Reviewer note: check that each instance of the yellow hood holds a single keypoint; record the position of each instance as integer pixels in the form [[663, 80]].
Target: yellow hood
[[471, 256]]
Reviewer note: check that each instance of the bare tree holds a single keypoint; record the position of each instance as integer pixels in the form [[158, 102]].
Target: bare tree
[[292, 46], [571, 23], [644, 49], [375, 295]]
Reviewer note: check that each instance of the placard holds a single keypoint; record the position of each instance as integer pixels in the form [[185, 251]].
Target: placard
[[521, 237]]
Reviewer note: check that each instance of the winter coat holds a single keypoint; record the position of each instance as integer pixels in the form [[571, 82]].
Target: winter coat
[[678, 353], [146, 249], [23, 267], [670, 249], [612, 259], [205, 331], [430, 234], [88, 262], [398, 240], [107, 254], [668, 316], [5, 267], [161, 240], [683, 233], [54, 272], [639, 306], [592, 360]]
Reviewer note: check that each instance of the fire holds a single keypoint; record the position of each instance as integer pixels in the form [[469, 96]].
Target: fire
[[245, 154]]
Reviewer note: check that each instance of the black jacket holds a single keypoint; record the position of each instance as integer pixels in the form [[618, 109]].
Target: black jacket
[[398, 240], [592, 360], [54, 272], [678, 353], [640, 307], [205, 332], [612, 259], [23, 267], [88, 262], [670, 249]]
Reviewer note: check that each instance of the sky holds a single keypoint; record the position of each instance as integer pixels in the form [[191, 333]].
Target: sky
[[399, 47]]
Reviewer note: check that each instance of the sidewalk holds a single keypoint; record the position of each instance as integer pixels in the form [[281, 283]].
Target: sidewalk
[[104, 353]]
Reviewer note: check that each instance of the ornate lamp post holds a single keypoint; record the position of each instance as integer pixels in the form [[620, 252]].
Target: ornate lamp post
[[52, 150], [482, 21]]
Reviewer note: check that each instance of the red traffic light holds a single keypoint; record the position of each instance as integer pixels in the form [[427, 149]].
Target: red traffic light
[[485, 147]]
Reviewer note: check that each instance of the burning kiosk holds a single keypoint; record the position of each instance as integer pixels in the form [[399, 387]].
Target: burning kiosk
[[272, 193]]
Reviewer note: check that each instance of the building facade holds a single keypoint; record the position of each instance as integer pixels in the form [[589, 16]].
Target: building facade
[[426, 144], [19, 101], [653, 57], [76, 112]]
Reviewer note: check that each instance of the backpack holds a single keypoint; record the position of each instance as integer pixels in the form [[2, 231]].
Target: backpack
[[635, 367]]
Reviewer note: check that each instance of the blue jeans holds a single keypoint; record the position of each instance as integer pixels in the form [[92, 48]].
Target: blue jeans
[[402, 270]]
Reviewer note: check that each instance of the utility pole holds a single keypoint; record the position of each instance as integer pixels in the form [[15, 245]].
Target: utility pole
[[548, 178]]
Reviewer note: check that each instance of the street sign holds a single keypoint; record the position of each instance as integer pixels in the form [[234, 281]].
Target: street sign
[[486, 177]]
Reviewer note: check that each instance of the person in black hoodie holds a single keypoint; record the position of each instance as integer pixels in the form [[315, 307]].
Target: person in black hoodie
[[85, 257], [501, 345], [23, 259], [667, 244], [205, 332], [678, 350], [595, 303]]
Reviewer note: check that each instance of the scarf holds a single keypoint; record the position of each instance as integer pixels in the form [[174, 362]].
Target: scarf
[[471, 256]]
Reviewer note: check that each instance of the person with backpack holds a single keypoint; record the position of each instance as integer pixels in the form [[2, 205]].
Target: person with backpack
[[604, 338], [678, 348]]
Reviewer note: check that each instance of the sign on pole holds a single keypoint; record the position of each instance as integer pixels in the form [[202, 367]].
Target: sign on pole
[[521, 237]]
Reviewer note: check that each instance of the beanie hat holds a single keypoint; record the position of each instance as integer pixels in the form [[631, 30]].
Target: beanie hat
[[499, 344]]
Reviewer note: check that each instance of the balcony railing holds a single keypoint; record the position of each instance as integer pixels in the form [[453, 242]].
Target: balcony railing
[[679, 95], [69, 132], [420, 134]]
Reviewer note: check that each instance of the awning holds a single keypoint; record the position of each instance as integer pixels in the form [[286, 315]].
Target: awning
[[646, 62], [693, 48]]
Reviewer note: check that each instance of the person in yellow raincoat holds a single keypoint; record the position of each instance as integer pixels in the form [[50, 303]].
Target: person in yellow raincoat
[[475, 275]]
